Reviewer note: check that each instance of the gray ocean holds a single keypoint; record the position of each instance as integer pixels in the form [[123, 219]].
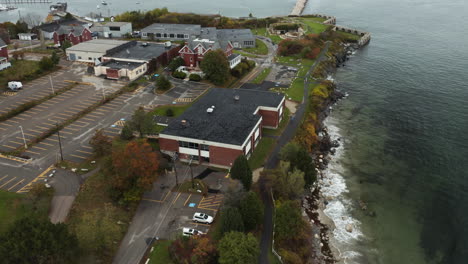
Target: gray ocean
[[404, 126]]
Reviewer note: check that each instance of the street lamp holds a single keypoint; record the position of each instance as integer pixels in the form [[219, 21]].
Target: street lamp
[[24, 139]]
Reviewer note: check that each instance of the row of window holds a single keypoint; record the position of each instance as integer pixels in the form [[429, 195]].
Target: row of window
[[170, 35], [191, 145], [248, 43]]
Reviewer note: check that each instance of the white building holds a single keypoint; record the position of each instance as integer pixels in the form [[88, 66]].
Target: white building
[[92, 51], [112, 29], [27, 36]]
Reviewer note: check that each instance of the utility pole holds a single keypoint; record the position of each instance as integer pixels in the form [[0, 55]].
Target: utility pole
[[191, 171], [24, 139], [174, 158], [60, 142], [51, 84], [103, 94]]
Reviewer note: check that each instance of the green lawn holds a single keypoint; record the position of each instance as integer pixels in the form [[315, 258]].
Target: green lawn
[[312, 26], [263, 32], [264, 147], [176, 109], [262, 76], [349, 36], [20, 70], [187, 187], [260, 49], [160, 253], [294, 61], [318, 19], [279, 130], [245, 54], [296, 90]]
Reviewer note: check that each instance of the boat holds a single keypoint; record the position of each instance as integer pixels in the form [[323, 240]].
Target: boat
[[103, 3], [7, 8]]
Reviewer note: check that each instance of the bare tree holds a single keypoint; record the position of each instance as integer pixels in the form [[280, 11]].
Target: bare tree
[[32, 19]]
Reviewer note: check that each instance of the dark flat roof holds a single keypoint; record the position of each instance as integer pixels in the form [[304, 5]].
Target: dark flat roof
[[121, 64], [230, 122], [138, 51]]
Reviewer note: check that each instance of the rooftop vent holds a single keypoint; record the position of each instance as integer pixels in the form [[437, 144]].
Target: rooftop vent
[[236, 97], [184, 122], [210, 110]]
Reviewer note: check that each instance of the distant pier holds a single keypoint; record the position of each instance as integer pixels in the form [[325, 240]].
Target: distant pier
[[299, 8], [11, 2]]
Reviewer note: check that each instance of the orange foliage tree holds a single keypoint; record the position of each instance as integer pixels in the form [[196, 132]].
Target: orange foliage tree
[[136, 168]]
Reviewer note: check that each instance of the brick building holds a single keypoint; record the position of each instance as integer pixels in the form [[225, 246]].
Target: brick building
[[194, 51], [74, 34], [4, 55], [222, 125]]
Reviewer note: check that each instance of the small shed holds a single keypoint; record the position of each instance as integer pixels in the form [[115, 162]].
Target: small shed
[[27, 36]]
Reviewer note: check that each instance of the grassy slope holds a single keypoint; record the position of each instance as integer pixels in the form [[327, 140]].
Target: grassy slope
[[262, 76], [160, 254], [260, 49], [312, 26], [259, 155], [18, 70], [263, 32], [279, 130]]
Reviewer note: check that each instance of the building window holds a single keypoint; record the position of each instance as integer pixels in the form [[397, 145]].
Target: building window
[[248, 43], [165, 35], [180, 36], [158, 35], [186, 36], [114, 28], [191, 59], [205, 147], [144, 34], [171, 35], [184, 144], [79, 57]]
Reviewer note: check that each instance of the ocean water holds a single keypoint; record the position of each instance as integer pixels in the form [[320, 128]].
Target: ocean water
[[404, 126]]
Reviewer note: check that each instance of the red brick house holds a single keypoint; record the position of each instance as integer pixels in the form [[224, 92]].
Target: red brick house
[[74, 34], [222, 125], [194, 51]]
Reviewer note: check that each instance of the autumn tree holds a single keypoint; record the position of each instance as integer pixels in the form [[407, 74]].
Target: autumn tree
[[238, 248], [204, 251], [127, 132], [289, 223], [215, 65], [241, 171], [101, 144], [162, 83], [136, 168], [141, 121]]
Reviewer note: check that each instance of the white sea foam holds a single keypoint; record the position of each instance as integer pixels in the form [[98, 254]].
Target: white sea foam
[[334, 187]]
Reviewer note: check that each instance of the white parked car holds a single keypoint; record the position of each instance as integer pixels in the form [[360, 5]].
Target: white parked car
[[202, 218], [191, 232], [15, 86]]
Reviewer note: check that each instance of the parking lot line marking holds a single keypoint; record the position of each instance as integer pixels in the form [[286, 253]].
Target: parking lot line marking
[[3, 128], [7, 182], [34, 130], [16, 142], [9, 146], [47, 144], [51, 139], [85, 118], [7, 124], [187, 199], [39, 148], [86, 152], [12, 121], [27, 187], [18, 183], [214, 210], [67, 133], [202, 224], [173, 202], [81, 157], [30, 151], [151, 200], [165, 197], [20, 118], [88, 147], [42, 127], [3, 177], [31, 135]]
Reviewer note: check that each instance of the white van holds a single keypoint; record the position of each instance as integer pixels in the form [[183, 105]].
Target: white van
[[15, 86]]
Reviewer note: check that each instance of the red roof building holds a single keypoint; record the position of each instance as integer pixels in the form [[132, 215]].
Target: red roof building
[[74, 34]]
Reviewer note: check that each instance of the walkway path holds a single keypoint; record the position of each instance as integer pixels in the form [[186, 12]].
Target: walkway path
[[299, 8], [273, 160]]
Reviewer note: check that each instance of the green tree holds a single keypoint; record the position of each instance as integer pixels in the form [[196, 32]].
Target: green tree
[[162, 83], [176, 63], [216, 67], [299, 158], [286, 184], [102, 144], [288, 221], [251, 209], [55, 58], [141, 121], [238, 248], [65, 45], [231, 220], [34, 240], [46, 64], [127, 132], [241, 171]]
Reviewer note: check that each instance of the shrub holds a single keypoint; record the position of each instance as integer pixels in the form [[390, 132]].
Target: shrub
[[179, 75], [169, 112], [162, 83], [195, 77], [46, 64], [176, 63]]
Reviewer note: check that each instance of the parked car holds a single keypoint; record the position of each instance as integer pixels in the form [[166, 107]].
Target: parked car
[[202, 218], [15, 86], [191, 232]]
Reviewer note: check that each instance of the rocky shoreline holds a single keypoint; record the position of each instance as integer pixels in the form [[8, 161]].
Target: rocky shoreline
[[313, 203]]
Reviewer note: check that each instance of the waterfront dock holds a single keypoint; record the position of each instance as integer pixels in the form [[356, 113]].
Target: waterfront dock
[[299, 8]]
